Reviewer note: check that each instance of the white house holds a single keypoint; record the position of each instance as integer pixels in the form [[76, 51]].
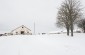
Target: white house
[[22, 30]]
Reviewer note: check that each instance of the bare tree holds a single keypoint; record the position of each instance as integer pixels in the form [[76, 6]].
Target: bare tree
[[81, 24], [68, 13]]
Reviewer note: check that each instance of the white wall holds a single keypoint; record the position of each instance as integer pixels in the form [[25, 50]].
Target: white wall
[[18, 30]]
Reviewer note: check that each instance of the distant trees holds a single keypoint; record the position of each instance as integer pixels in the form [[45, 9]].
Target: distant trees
[[68, 13], [81, 24]]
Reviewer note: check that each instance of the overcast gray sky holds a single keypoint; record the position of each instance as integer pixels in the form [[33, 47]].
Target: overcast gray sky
[[14, 13]]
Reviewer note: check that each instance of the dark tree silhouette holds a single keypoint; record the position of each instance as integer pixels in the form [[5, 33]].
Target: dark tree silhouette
[[68, 13], [81, 24]]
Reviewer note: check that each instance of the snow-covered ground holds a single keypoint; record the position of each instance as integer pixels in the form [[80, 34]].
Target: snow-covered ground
[[58, 44]]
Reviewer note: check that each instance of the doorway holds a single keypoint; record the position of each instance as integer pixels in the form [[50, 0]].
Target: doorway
[[22, 32]]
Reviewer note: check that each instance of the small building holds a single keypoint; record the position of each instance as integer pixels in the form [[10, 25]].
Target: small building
[[55, 32], [22, 30]]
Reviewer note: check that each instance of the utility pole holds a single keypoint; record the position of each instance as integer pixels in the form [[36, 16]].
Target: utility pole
[[34, 28], [19, 52]]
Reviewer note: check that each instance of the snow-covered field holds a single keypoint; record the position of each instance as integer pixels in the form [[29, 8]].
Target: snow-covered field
[[58, 44]]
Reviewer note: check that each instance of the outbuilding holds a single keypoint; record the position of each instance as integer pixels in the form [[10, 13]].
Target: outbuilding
[[22, 30]]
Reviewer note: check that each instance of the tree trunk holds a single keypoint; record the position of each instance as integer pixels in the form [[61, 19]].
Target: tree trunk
[[71, 28], [84, 30], [68, 31]]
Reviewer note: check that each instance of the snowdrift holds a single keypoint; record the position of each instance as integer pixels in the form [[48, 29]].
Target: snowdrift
[[58, 44]]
